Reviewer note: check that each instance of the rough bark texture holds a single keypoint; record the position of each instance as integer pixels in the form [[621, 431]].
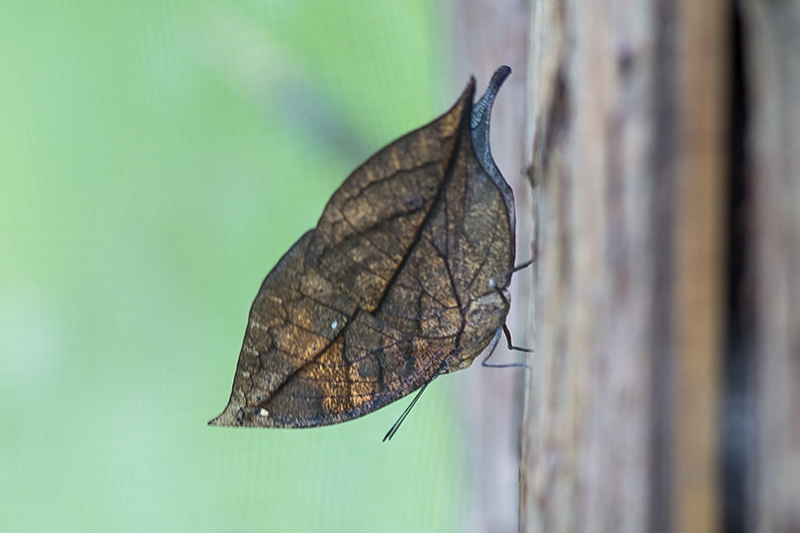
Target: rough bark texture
[[771, 33], [628, 131], [487, 34]]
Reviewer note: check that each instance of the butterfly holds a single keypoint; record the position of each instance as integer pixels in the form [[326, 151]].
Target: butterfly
[[405, 278]]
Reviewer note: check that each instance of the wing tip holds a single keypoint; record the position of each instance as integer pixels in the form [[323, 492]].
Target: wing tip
[[225, 419]]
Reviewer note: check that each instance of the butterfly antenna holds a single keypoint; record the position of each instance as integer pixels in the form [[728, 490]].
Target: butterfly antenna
[[396, 425]]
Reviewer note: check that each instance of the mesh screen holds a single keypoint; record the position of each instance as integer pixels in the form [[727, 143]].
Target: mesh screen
[[156, 159]]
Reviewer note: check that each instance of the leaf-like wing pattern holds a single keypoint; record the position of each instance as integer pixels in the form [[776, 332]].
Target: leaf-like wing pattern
[[392, 287]]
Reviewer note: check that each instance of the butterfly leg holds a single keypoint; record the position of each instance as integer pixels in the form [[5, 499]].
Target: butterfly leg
[[517, 268], [493, 282], [511, 346], [485, 362], [507, 333]]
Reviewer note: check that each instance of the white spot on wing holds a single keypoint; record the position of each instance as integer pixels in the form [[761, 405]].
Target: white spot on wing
[[263, 412], [334, 324]]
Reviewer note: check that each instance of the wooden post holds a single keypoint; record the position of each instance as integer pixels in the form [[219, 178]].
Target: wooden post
[[628, 106], [664, 172], [771, 33]]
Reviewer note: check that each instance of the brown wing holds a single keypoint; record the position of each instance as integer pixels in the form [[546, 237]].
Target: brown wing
[[371, 304]]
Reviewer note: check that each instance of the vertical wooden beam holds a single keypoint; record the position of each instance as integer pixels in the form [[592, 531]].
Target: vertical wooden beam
[[772, 75], [586, 441], [627, 113], [703, 59]]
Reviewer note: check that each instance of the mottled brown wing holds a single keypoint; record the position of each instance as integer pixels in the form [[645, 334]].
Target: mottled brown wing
[[390, 290]]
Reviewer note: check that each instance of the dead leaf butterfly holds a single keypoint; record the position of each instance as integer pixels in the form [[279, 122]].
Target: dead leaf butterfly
[[404, 278]]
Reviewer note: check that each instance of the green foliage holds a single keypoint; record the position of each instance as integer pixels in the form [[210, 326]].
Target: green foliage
[[156, 159]]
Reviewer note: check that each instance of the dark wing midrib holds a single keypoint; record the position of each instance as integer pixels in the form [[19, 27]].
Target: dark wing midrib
[[414, 243], [448, 174]]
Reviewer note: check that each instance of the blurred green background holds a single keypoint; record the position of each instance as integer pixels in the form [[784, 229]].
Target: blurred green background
[[156, 159]]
